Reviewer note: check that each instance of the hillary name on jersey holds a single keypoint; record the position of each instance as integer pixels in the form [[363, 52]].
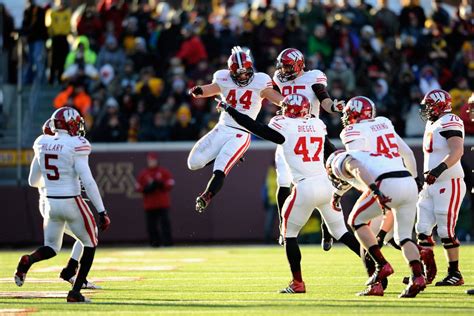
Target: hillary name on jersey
[[303, 146], [246, 100]]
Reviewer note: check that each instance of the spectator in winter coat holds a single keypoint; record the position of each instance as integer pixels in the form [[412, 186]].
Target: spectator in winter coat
[[192, 50]]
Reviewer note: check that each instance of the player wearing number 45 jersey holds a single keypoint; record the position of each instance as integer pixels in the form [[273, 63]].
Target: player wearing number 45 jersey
[[444, 189], [59, 164], [302, 139], [244, 89]]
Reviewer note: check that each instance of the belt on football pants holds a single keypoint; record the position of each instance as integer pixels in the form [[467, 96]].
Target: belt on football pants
[[61, 197], [393, 174]]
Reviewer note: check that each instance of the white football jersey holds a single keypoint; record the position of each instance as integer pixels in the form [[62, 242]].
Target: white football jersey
[[435, 146], [376, 164], [246, 100], [56, 158], [302, 85], [375, 135], [303, 146]]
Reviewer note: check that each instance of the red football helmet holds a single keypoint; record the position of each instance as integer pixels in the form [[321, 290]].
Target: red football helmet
[[434, 104], [357, 109], [295, 105], [289, 64], [241, 68], [47, 128], [68, 119]]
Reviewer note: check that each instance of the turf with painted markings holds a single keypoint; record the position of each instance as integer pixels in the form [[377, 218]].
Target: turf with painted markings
[[230, 281]]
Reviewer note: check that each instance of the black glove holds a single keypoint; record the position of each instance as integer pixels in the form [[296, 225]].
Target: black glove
[[221, 105], [419, 184], [380, 197], [195, 91], [104, 221], [336, 202], [434, 173], [152, 186]]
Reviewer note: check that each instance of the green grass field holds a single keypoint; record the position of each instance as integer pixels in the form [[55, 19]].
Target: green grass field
[[227, 281]]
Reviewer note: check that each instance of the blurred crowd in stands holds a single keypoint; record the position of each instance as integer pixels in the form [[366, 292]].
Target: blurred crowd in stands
[[127, 65]]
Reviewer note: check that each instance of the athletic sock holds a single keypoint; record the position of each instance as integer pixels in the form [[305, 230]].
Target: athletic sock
[[42, 253], [216, 182], [72, 265], [380, 237], [325, 231], [294, 258], [86, 263], [416, 268], [282, 194], [453, 266], [376, 254], [351, 241]]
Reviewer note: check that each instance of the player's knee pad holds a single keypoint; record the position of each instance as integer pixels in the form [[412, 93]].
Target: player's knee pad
[[425, 240], [195, 162], [449, 243]]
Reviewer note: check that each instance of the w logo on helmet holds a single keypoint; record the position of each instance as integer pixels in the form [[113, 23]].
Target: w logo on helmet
[[438, 97], [295, 55], [295, 99], [357, 105]]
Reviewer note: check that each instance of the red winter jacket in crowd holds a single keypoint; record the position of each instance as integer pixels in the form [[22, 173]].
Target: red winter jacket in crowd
[[192, 51], [155, 184]]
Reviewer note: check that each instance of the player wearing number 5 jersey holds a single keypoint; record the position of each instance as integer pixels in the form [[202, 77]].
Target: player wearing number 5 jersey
[[444, 189], [59, 164], [302, 139], [244, 89]]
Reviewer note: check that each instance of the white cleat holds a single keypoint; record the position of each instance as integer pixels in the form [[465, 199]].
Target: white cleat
[[88, 285]]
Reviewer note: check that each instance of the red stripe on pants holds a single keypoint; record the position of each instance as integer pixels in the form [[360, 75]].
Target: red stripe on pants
[[363, 207], [288, 211], [450, 208], [86, 223], [456, 206], [91, 218], [237, 155]]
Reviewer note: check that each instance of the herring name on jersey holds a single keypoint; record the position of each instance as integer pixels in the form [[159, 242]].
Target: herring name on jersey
[[56, 158], [435, 146], [374, 135], [303, 85], [303, 146], [246, 100], [376, 163]]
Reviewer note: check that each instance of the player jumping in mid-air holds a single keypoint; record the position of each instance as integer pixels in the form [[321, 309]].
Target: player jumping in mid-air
[[244, 89], [374, 173], [60, 165], [444, 189], [290, 78], [301, 137], [363, 130], [69, 272]]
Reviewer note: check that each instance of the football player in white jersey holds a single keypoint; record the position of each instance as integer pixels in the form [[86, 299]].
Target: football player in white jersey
[[244, 89], [61, 162], [444, 189], [302, 139], [374, 173], [363, 130], [68, 274], [290, 78]]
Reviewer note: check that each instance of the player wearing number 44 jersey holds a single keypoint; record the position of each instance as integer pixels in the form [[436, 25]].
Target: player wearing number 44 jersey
[[302, 139], [59, 164], [244, 89], [444, 189]]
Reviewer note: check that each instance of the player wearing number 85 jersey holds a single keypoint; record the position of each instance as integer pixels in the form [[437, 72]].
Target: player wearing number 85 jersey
[[59, 164], [444, 190], [244, 89], [302, 139]]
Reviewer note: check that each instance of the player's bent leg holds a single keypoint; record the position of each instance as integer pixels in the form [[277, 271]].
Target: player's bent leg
[[206, 149], [74, 296], [417, 282], [213, 187], [26, 261]]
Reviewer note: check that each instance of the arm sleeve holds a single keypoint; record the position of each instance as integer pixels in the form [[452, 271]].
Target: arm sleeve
[[320, 91], [34, 178], [451, 133], [259, 129], [407, 155], [275, 87], [81, 165]]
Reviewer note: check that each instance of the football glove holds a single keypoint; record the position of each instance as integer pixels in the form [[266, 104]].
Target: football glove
[[380, 197], [195, 91], [419, 184], [337, 106], [336, 202], [434, 173], [104, 221], [221, 105]]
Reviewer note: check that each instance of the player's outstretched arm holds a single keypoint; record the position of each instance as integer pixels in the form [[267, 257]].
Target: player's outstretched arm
[[81, 165], [329, 105], [272, 95], [34, 178], [259, 129], [205, 91]]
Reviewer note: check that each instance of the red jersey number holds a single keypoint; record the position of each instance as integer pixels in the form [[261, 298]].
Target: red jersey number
[[301, 147], [245, 99], [387, 146], [291, 90], [54, 175]]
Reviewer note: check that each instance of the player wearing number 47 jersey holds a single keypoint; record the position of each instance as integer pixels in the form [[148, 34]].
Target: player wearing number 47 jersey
[[244, 89], [444, 189], [302, 139], [59, 164]]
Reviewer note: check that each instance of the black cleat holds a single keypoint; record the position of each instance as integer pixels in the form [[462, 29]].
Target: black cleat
[[21, 270], [76, 297], [452, 279], [202, 201]]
